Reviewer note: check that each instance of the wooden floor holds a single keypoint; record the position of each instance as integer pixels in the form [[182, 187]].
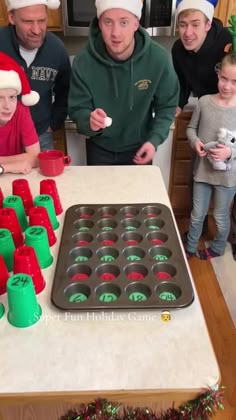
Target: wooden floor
[[219, 323]]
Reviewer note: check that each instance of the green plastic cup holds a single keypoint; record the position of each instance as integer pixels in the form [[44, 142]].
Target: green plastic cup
[[7, 247], [37, 237], [15, 202], [2, 310], [46, 200], [24, 309]]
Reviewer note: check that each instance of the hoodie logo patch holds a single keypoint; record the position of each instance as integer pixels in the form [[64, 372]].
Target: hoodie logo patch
[[143, 84]]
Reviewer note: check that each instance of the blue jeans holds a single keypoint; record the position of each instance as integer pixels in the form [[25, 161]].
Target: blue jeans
[[46, 141], [233, 222], [223, 197]]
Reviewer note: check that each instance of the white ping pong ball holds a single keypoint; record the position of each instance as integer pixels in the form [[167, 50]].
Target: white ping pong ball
[[108, 121]]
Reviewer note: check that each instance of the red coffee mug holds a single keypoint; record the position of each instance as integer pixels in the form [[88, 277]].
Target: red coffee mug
[[52, 162]]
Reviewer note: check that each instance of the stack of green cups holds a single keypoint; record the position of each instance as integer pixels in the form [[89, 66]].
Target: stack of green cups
[[24, 309], [7, 247], [15, 202], [2, 310], [45, 200], [37, 237]]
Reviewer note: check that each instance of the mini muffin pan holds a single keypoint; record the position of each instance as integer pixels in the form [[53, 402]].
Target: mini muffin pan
[[120, 257]]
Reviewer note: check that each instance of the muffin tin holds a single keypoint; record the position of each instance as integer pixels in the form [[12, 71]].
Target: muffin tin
[[120, 257]]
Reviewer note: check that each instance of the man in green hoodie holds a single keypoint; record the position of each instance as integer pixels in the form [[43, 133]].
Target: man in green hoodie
[[123, 91]]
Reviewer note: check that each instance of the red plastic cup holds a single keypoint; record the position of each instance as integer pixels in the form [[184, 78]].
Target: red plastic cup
[[25, 261], [38, 216], [53, 162], [1, 198], [21, 187], [4, 275], [48, 186], [9, 220]]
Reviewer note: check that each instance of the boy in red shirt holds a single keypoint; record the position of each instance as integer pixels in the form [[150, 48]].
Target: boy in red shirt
[[19, 143]]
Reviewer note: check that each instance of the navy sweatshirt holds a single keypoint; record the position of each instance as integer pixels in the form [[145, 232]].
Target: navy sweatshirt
[[197, 71], [48, 74]]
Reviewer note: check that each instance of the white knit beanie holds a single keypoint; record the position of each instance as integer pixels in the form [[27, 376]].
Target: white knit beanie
[[132, 6], [18, 4], [203, 6]]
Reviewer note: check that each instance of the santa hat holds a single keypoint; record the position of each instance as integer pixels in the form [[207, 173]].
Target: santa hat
[[204, 6], [132, 6], [18, 4], [12, 76]]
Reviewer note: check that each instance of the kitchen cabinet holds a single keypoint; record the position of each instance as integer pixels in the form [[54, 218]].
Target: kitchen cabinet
[[3, 13], [180, 170], [55, 20], [54, 17], [224, 9]]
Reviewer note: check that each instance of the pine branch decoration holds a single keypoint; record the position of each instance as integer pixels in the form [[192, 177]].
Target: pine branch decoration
[[232, 30]]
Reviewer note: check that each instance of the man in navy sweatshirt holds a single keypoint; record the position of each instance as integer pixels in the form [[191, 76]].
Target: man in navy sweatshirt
[[43, 57]]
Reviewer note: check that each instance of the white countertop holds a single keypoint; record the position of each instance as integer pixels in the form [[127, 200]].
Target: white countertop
[[105, 350]]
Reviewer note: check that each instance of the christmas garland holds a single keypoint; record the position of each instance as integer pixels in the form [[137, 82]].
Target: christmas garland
[[201, 408]]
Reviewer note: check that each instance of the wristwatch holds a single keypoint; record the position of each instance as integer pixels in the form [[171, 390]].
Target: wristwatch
[[1, 170]]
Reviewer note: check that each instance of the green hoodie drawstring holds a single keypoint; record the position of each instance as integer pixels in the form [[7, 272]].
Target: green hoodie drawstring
[[131, 95], [115, 82]]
